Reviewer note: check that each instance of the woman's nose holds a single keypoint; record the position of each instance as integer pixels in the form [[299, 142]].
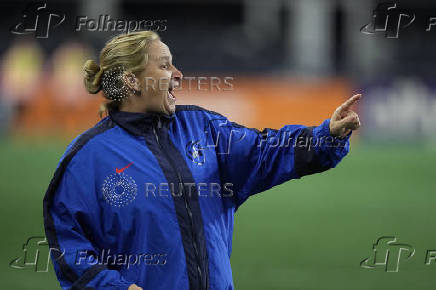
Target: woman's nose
[[177, 74]]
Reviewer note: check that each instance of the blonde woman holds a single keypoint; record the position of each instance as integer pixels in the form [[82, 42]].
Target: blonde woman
[[146, 198]]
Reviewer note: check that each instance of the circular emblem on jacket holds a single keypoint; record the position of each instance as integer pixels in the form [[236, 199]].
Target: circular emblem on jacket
[[119, 189], [194, 151]]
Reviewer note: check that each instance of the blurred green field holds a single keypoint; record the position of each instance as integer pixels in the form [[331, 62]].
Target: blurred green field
[[306, 234]]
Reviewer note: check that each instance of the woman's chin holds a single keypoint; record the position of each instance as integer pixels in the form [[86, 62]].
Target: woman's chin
[[169, 107]]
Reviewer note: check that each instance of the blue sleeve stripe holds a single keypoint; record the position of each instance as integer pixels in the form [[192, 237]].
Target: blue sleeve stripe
[[306, 161], [87, 276]]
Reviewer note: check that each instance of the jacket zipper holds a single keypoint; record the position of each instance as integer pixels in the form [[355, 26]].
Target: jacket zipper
[[188, 208]]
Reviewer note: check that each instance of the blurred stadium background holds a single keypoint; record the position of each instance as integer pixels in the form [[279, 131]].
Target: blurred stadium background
[[292, 61]]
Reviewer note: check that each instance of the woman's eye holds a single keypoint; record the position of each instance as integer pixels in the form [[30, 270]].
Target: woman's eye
[[164, 66]]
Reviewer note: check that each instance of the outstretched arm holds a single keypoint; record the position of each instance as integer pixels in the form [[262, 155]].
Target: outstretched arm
[[253, 161]]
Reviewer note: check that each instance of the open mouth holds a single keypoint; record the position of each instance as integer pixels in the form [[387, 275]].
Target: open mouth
[[171, 95], [173, 84]]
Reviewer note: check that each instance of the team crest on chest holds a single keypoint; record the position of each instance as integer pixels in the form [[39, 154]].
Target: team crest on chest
[[119, 189]]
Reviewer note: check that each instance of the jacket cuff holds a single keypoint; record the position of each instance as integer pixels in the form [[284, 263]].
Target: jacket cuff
[[330, 149]]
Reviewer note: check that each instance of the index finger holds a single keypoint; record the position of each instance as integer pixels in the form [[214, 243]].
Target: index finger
[[348, 103]]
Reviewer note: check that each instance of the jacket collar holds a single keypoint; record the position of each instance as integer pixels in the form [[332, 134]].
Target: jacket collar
[[139, 123]]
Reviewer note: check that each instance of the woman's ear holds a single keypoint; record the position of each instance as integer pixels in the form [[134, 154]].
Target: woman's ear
[[131, 81]]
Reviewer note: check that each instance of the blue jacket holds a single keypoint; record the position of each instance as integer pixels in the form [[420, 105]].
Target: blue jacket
[[150, 199]]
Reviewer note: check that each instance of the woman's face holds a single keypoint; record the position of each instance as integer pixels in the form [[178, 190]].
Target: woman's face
[[159, 79]]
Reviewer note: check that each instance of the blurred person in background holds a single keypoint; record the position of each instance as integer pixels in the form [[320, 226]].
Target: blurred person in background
[[146, 198], [67, 62], [71, 107], [21, 73]]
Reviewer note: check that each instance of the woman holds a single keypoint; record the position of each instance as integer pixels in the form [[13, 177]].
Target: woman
[[146, 198]]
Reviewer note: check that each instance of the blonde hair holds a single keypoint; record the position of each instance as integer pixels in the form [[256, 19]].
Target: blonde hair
[[125, 50]]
